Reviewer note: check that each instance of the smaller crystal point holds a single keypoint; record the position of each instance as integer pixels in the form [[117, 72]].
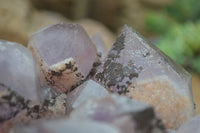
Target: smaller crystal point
[[18, 80], [66, 125], [127, 114], [138, 69], [18, 70], [88, 90], [65, 53], [100, 45]]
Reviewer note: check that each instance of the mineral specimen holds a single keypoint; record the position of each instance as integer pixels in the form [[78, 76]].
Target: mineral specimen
[[65, 53], [88, 90], [66, 125], [129, 115], [18, 70], [139, 70], [18, 82], [100, 45], [10, 105], [17, 110]]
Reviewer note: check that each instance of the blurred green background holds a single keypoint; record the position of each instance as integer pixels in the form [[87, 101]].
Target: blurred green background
[[172, 25]]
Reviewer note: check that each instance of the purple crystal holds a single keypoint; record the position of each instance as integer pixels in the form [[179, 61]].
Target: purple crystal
[[18, 70], [66, 125], [88, 90], [139, 70], [120, 111], [100, 45], [65, 53], [18, 79], [108, 108]]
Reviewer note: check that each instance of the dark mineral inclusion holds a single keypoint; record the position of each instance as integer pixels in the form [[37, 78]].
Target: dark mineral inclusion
[[116, 75], [141, 71]]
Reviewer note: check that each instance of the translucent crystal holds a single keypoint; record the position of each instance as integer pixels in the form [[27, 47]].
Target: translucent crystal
[[65, 53], [64, 125], [100, 45], [88, 90], [18, 70], [18, 79], [128, 115], [141, 71]]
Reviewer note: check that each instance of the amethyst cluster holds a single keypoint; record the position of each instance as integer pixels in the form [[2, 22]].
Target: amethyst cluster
[[66, 81]]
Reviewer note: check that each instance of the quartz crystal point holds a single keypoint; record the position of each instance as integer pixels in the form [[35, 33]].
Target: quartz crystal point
[[88, 90], [129, 115], [18, 80], [18, 71], [141, 71], [66, 126], [65, 53], [100, 45]]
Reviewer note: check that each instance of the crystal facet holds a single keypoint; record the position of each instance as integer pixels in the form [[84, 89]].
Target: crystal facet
[[127, 114], [88, 90], [18, 70], [141, 71], [100, 45], [65, 53], [65, 125], [18, 80]]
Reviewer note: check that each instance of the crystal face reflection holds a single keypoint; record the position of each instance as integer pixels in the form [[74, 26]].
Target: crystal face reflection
[[18, 70], [65, 53], [139, 70]]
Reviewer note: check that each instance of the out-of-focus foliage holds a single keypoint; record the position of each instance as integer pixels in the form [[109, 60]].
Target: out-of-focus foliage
[[182, 44], [184, 10], [179, 30], [157, 22]]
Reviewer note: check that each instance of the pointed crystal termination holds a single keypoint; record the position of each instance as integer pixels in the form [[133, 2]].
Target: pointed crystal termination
[[18, 71], [18, 79], [88, 90], [141, 71], [65, 53], [100, 45], [130, 116]]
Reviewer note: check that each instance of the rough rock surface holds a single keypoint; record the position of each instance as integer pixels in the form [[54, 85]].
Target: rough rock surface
[[65, 54], [10, 105], [141, 71], [128, 115], [88, 90]]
